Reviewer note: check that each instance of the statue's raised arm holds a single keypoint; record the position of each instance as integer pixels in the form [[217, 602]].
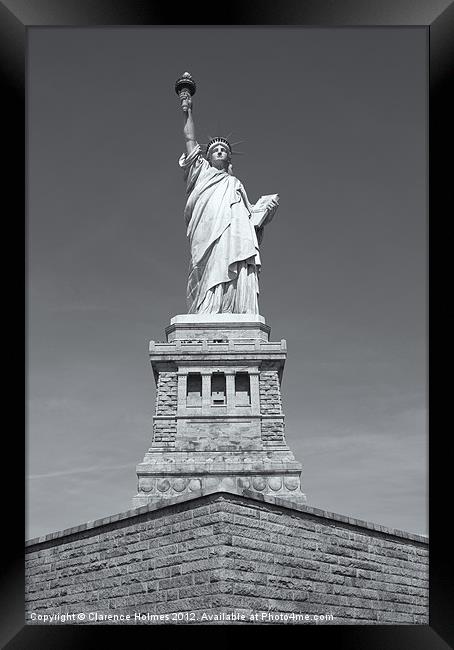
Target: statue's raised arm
[[185, 87], [189, 131]]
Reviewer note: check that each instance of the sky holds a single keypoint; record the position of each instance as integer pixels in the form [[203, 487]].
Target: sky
[[334, 120]]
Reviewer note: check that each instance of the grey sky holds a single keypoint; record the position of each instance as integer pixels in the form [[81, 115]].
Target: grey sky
[[334, 121]]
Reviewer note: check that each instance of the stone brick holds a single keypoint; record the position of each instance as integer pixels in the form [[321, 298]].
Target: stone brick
[[232, 553], [270, 393]]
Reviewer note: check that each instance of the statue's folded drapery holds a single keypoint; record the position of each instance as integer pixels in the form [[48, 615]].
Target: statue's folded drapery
[[225, 261]]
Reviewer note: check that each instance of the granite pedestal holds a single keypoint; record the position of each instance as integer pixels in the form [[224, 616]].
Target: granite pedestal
[[219, 422]]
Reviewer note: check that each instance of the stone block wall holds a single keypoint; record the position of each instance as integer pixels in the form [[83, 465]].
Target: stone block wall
[[166, 396], [273, 431], [222, 553], [164, 433], [271, 404], [270, 393], [165, 429]]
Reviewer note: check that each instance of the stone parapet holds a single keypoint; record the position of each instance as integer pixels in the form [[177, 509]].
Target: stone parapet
[[220, 552], [167, 356]]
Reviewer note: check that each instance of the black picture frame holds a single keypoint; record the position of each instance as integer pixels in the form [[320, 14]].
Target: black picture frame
[[16, 17]]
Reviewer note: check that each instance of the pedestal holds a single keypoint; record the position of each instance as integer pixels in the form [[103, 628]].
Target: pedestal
[[219, 421]]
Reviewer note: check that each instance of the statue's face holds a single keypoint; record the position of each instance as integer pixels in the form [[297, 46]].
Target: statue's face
[[219, 157]]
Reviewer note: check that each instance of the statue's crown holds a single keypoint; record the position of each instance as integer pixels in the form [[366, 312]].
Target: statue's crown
[[215, 141]]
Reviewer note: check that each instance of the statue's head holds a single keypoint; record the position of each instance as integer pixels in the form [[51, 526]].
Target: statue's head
[[219, 154]]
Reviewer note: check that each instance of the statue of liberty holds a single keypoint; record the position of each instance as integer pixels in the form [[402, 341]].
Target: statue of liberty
[[224, 229]]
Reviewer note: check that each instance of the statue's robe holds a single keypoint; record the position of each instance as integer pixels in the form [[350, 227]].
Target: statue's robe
[[225, 261]]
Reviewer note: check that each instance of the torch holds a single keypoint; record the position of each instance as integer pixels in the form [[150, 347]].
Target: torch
[[185, 87]]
